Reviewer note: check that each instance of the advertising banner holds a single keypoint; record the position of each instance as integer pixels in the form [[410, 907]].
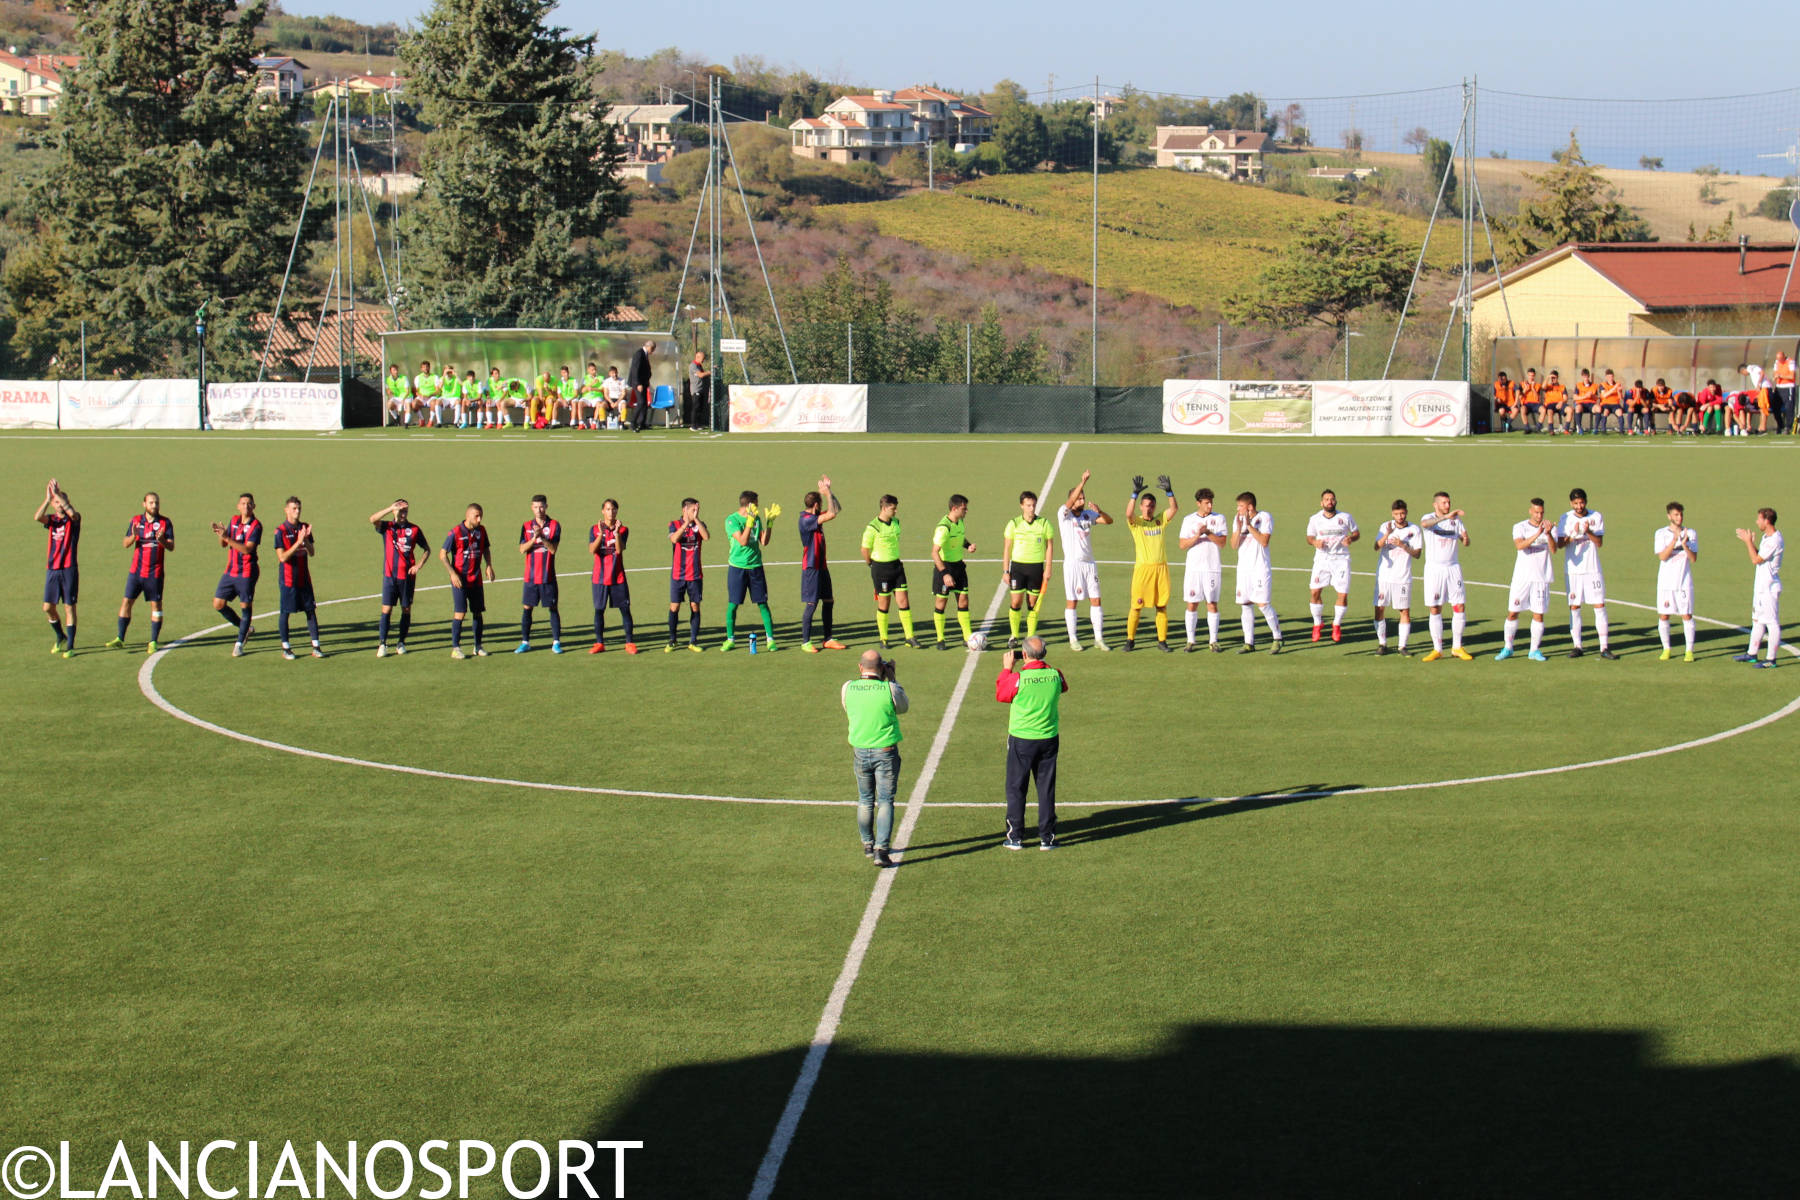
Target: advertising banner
[[305, 406], [1360, 408], [28, 404], [802, 408], [130, 404]]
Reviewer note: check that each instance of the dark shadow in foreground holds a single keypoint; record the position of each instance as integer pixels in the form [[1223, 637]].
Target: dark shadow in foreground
[[1234, 1111]]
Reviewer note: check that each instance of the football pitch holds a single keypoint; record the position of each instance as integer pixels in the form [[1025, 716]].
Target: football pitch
[[1320, 923]]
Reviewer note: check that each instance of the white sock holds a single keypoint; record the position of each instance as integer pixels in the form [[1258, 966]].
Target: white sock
[[1337, 616], [1437, 632], [1247, 615], [1457, 620], [1381, 632], [1662, 631], [1273, 620], [1756, 630], [1512, 631], [1537, 635], [1687, 631], [1405, 632], [1318, 613], [1575, 627], [1212, 626], [1098, 622], [1069, 620], [1602, 625], [1192, 619]]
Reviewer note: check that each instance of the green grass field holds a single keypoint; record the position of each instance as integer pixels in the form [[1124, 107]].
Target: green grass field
[[1189, 239], [1578, 982]]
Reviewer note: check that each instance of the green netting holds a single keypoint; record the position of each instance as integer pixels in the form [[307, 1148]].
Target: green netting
[[1128, 410], [1031, 409], [918, 408]]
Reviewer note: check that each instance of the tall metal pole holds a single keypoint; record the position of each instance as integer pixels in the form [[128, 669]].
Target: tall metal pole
[[1094, 275], [1468, 229]]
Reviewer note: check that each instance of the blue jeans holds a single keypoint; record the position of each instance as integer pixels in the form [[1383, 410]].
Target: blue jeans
[[877, 775]]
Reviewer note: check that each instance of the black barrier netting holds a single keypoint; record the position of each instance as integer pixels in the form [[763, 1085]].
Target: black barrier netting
[[1031, 409], [918, 408], [1128, 410]]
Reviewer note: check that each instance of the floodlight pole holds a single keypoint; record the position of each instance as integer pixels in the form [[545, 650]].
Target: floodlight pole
[[1094, 276]]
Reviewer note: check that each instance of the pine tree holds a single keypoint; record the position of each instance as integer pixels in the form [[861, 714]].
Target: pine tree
[[176, 185], [1573, 204], [520, 170]]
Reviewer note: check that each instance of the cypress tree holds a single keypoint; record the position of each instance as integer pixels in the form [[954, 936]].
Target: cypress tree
[[520, 173]]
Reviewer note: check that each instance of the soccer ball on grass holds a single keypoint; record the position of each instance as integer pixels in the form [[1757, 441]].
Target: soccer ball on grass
[[978, 641]]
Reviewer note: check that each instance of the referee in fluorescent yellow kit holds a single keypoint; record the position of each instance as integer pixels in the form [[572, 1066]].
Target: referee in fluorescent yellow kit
[[1150, 573]]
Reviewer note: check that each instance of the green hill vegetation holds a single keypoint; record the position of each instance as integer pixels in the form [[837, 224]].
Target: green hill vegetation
[[1188, 239]]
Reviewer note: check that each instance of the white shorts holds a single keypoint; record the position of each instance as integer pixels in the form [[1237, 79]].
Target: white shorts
[[1257, 589], [1081, 580], [1394, 593], [1587, 589], [1677, 602], [1765, 607], [1333, 573], [1444, 585], [1202, 587], [1529, 597]]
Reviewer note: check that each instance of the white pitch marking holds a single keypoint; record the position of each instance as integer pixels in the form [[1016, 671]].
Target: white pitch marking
[[789, 1123]]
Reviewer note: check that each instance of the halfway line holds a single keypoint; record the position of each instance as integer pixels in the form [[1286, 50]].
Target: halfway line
[[827, 1029]]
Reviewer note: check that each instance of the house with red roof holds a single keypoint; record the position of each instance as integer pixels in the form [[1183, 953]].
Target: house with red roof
[[946, 117], [1230, 153], [872, 128], [32, 84], [1643, 289]]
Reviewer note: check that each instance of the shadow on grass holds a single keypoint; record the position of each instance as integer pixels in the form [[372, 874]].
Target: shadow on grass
[[1233, 1110]]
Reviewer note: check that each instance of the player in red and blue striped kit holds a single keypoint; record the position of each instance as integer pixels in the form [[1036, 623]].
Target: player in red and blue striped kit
[[539, 539], [687, 535], [294, 550], [62, 574], [242, 538], [606, 542], [150, 537], [470, 561], [400, 541]]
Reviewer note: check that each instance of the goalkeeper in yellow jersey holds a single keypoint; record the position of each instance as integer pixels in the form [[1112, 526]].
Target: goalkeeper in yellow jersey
[[1150, 572]]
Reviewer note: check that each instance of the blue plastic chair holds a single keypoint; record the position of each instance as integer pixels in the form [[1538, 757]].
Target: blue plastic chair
[[664, 398]]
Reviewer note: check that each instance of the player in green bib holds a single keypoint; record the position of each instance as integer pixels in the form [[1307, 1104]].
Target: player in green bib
[[591, 395], [746, 533], [450, 387], [881, 550], [569, 393], [425, 390], [1027, 550], [399, 395], [950, 575]]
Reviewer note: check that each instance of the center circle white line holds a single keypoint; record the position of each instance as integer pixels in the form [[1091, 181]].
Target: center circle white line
[[147, 685]]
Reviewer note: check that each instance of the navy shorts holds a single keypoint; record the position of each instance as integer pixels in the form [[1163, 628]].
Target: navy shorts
[[685, 589], [611, 595], [398, 591], [149, 587], [236, 587], [815, 585], [62, 586], [297, 599], [468, 597], [739, 580], [959, 578], [540, 593], [888, 576]]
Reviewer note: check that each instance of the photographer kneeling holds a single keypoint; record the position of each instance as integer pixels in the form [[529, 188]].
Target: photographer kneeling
[[874, 701]]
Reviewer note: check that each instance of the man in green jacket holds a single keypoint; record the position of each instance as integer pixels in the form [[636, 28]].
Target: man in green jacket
[[1034, 691], [874, 701]]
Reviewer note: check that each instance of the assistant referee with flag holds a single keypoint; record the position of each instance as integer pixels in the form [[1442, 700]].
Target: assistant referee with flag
[[1034, 691]]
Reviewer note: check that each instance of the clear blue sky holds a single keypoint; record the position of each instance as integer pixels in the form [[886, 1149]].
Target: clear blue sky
[[1304, 49]]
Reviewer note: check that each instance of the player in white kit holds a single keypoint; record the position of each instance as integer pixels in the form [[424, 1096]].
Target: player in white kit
[[1202, 580], [1677, 547], [1330, 533], [1250, 534], [1765, 545], [1580, 533], [1075, 522], [1444, 533], [1534, 567], [1397, 543]]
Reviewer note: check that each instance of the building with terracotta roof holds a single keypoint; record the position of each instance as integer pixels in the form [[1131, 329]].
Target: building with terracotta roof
[[32, 84], [872, 128], [946, 117], [1642, 289], [280, 76], [1229, 153]]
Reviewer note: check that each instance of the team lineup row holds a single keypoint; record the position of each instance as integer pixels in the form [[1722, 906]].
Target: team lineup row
[[1028, 555]]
